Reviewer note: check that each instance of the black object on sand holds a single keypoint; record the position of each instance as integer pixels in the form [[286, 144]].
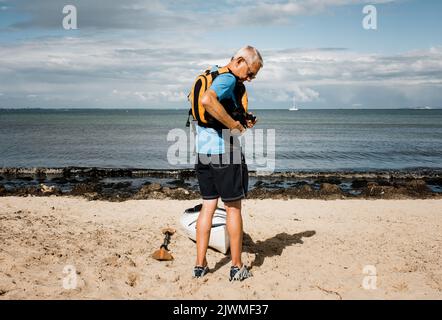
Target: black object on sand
[[163, 253]]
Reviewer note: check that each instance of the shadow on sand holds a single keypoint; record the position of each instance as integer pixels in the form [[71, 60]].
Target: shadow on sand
[[267, 248]]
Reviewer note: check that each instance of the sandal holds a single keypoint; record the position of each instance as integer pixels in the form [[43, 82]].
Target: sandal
[[239, 274], [199, 271]]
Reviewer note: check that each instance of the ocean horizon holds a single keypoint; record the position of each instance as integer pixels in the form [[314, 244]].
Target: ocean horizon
[[186, 108], [307, 139]]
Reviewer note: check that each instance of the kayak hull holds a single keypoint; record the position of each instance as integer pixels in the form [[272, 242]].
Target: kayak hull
[[219, 238]]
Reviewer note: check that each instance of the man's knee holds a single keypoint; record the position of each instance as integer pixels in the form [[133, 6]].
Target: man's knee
[[210, 204], [233, 204]]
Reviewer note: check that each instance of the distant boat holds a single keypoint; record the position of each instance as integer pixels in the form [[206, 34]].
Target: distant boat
[[293, 108], [422, 108]]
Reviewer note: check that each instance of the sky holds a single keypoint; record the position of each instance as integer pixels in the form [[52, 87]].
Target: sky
[[146, 54]]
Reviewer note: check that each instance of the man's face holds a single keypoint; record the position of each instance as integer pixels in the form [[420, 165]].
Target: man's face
[[247, 71]]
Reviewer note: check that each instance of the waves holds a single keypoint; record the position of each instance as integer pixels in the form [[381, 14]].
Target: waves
[[307, 140]]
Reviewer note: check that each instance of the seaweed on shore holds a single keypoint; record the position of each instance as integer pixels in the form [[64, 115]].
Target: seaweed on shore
[[125, 184]]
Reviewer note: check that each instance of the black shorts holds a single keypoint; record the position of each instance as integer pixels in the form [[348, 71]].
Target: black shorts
[[228, 181]]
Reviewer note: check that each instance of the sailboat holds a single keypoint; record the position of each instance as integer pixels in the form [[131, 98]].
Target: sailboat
[[293, 108]]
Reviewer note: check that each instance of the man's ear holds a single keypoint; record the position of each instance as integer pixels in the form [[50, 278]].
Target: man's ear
[[239, 60]]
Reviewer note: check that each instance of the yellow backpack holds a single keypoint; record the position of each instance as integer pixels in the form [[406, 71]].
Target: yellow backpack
[[201, 84]]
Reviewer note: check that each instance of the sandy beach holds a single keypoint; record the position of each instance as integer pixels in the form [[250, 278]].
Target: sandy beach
[[298, 249]]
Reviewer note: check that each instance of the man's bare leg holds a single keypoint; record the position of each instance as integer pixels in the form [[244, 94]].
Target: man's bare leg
[[234, 228], [203, 227]]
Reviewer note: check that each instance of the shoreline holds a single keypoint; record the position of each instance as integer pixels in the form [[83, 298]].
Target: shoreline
[[115, 184], [415, 173]]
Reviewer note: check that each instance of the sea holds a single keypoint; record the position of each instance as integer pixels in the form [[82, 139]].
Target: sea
[[304, 140]]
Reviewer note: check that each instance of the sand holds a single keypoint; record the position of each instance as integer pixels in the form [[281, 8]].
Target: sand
[[72, 248]]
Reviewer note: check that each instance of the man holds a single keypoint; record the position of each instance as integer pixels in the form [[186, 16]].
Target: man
[[216, 178]]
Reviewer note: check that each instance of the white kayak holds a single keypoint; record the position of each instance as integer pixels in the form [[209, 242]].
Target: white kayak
[[219, 238]]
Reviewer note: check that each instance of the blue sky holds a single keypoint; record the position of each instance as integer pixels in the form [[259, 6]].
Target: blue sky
[[402, 26], [145, 54]]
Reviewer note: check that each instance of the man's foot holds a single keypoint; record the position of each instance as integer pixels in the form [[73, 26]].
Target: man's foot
[[240, 274], [199, 271]]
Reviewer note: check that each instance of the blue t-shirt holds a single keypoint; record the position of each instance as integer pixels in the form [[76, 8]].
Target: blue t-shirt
[[209, 140]]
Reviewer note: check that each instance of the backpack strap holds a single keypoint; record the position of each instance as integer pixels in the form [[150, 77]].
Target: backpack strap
[[224, 70], [216, 73], [188, 118]]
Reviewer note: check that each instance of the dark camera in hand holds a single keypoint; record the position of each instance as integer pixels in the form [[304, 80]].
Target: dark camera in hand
[[250, 117], [243, 117]]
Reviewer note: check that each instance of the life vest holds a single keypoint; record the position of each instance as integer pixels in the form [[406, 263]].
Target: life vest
[[197, 110]]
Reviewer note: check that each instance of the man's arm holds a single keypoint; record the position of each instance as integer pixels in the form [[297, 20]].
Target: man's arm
[[216, 110]]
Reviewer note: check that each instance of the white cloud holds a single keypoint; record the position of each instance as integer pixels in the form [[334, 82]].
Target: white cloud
[[173, 14], [293, 94], [139, 73], [157, 66], [305, 94], [280, 12], [341, 66], [326, 77], [153, 97]]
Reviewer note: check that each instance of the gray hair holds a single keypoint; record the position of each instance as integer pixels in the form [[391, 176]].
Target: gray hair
[[251, 54]]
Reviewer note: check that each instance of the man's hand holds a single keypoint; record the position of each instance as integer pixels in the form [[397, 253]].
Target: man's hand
[[251, 123], [237, 128]]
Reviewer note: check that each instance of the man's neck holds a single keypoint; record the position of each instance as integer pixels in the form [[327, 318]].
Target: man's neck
[[233, 68]]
